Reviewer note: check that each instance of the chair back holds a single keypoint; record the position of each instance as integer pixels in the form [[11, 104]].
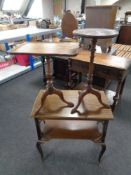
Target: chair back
[[124, 36], [101, 17], [69, 23]]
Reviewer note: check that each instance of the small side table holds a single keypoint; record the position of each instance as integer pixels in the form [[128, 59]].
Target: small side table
[[49, 50], [55, 121], [94, 34]]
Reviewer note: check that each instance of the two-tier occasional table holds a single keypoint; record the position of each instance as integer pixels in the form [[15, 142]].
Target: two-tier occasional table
[[48, 50], [94, 34], [55, 121]]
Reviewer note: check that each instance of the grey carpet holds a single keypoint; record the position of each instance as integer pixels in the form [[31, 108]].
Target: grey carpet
[[19, 156]]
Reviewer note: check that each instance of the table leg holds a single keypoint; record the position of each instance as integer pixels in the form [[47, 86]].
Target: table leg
[[122, 86], [43, 66], [119, 89], [103, 145], [50, 90], [39, 135]]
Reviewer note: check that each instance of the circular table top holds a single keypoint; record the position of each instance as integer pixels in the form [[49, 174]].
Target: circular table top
[[98, 33]]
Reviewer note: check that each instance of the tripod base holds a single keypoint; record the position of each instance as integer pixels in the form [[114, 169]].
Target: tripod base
[[89, 90], [52, 91]]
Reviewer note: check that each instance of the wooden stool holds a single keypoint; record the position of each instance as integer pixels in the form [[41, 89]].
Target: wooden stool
[[55, 120]]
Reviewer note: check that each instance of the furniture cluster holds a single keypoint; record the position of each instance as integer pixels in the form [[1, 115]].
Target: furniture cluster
[[74, 114], [70, 113]]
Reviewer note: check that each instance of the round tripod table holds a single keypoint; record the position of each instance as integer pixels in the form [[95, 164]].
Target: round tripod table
[[94, 34]]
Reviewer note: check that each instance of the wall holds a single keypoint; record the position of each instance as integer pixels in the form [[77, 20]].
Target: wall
[[73, 5], [58, 7], [125, 6], [48, 9], [90, 2], [108, 2], [41, 9], [98, 2]]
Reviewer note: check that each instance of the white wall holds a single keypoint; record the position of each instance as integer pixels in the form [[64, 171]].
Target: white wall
[[90, 2], [125, 6], [108, 2], [98, 2], [73, 5], [41, 9], [48, 9]]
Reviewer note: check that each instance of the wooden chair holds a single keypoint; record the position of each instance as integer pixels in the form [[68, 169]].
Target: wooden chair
[[69, 24], [60, 64], [101, 17], [55, 121]]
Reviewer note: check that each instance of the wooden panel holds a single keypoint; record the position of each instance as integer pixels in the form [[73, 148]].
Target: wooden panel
[[71, 129], [60, 67], [50, 49], [90, 108], [101, 17]]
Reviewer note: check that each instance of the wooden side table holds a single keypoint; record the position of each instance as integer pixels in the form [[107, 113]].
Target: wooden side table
[[49, 50], [94, 34], [55, 120]]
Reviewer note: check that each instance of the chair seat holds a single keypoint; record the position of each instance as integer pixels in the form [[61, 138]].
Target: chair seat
[[71, 129]]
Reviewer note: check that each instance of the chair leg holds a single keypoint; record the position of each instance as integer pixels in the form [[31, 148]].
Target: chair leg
[[103, 149], [38, 145]]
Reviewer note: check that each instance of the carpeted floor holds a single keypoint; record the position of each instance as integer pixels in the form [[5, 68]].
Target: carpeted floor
[[19, 156]]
